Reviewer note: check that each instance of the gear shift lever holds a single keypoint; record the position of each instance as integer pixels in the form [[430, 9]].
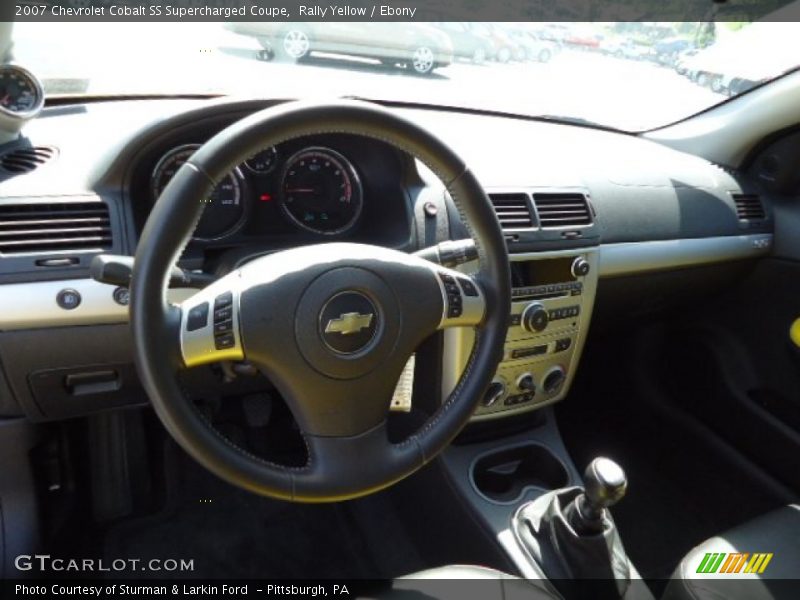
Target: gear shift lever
[[604, 485], [571, 537]]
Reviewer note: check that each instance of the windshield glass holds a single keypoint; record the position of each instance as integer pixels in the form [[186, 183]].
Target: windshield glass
[[628, 75]]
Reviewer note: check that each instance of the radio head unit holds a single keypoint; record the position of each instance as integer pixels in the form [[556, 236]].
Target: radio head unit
[[551, 306]]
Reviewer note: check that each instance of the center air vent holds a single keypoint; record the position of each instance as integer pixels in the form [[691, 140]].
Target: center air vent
[[562, 209], [513, 210], [23, 160], [749, 207], [65, 226]]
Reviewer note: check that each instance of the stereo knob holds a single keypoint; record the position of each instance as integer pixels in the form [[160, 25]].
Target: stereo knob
[[580, 267], [496, 391], [534, 317], [554, 380], [526, 383]]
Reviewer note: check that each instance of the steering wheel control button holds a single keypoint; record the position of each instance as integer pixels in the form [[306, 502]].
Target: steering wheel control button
[[454, 311], [455, 304], [468, 287], [223, 327], [198, 317], [348, 322], [68, 299], [223, 300], [122, 296], [223, 314], [223, 342]]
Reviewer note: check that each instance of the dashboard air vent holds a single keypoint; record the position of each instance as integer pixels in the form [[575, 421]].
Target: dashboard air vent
[[562, 209], [65, 226], [749, 207], [22, 160], [513, 210]]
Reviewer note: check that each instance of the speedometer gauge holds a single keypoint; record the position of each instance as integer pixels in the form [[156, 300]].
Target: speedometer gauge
[[321, 191], [224, 212]]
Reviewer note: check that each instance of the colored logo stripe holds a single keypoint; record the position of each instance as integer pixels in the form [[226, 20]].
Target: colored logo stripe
[[735, 562], [758, 563]]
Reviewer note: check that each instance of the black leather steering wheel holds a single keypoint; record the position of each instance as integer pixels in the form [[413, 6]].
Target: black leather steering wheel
[[331, 325]]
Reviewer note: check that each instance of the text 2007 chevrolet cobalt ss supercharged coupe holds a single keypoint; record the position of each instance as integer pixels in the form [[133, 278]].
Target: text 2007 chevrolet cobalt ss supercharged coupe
[[265, 320]]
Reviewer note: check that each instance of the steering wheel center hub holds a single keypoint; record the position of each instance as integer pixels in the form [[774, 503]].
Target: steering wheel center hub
[[348, 322]]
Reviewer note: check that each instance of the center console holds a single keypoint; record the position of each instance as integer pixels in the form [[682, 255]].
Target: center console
[[552, 299]]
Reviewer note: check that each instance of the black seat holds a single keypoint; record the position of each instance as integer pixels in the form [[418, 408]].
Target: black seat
[[768, 546], [456, 582]]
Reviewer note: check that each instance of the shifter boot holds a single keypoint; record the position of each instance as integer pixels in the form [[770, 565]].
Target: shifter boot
[[580, 565]]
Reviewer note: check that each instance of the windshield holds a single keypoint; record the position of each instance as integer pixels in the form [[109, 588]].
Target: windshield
[[629, 75]]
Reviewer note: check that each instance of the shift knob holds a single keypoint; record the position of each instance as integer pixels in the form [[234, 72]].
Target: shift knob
[[604, 484]]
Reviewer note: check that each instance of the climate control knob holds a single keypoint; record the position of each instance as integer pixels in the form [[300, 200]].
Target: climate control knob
[[534, 317], [526, 383], [554, 379], [496, 391], [580, 267]]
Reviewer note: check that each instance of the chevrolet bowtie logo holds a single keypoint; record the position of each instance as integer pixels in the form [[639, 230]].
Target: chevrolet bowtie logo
[[349, 323]]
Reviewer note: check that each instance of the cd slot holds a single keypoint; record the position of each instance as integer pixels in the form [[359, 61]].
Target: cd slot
[[542, 296], [539, 292]]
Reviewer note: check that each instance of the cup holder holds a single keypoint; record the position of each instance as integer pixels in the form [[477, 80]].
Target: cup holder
[[503, 475]]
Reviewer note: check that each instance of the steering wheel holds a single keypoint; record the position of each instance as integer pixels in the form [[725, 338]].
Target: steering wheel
[[331, 325]]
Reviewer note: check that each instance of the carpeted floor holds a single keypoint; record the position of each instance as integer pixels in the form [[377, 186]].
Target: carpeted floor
[[234, 534]]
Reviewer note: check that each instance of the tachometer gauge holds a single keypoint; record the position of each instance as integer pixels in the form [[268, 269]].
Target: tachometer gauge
[[225, 209], [263, 162], [21, 94], [321, 192]]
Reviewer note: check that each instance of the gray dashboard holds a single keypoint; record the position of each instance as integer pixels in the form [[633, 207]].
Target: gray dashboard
[[653, 209], [641, 190]]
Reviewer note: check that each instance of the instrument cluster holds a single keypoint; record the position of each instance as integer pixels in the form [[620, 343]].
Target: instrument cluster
[[316, 190]]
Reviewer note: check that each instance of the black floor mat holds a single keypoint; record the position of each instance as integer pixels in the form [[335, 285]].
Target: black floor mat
[[683, 487], [231, 533]]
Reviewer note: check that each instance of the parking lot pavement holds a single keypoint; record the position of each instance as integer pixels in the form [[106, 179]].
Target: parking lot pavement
[[203, 57]]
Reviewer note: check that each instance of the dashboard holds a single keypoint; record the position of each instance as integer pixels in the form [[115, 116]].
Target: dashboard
[[580, 209]]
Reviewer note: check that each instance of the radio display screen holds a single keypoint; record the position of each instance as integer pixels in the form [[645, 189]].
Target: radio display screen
[[542, 272]]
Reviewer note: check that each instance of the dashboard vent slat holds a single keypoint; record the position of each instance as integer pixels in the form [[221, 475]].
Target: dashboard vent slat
[[60, 226], [562, 209], [23, 160], [749, 207], [513, 210]]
